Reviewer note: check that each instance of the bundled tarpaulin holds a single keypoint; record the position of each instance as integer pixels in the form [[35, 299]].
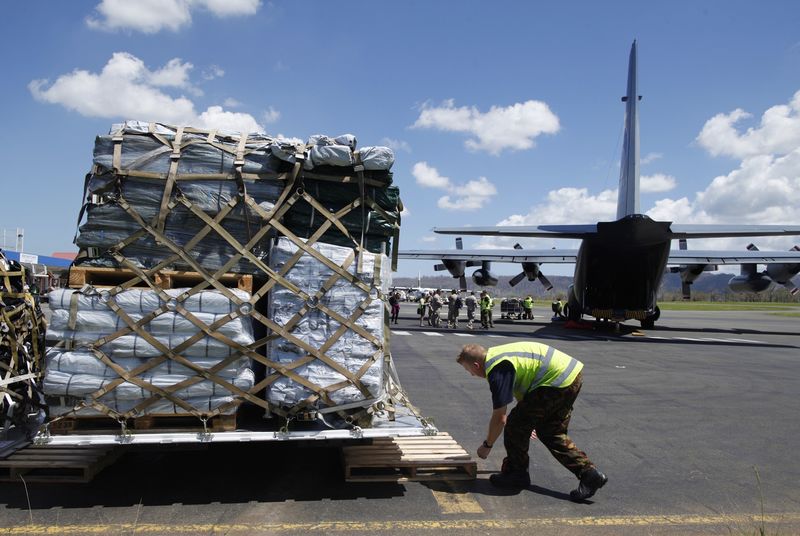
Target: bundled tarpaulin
[[334, 340], [142, 352], [153, 185], [22, 329]]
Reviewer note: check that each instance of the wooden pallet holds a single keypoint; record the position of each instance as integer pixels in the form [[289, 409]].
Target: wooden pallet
[[111, 277], [147, 423], [43, 463], [408, 459]]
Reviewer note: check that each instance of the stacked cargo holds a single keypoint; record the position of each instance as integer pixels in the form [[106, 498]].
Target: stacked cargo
[[308, 223], [22, 328]]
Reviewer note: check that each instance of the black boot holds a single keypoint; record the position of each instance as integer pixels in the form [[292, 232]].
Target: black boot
[[591, 481], [514, 478]]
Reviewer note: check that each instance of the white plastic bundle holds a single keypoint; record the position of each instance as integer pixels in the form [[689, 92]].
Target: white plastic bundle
[[74, 371], [351, 350]]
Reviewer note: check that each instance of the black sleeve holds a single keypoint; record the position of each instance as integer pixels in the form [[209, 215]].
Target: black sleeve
[[501, 383]]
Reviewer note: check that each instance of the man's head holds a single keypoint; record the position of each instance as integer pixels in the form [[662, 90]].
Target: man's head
[[472, 358]]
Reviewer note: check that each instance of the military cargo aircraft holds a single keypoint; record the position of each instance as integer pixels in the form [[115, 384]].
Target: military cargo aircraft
[[619, 264]]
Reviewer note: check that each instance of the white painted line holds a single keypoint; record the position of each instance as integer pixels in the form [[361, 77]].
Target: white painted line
[[395, 332], [688, 339], [746, 340], [463, 334], [432, 334], [496, 336]]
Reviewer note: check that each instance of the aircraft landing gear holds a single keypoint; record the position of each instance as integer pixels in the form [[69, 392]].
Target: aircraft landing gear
[[650, 321], [572, 311]]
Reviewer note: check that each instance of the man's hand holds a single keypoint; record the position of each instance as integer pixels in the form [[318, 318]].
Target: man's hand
[[483, 452]]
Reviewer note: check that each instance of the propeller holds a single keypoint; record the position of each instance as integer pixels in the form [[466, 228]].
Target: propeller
[[456, 268], [530, 270]]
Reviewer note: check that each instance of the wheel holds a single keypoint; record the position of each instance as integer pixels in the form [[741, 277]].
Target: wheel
[[572, 312]]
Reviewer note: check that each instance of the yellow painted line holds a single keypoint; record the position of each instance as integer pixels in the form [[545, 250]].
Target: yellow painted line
[[452, 501], [734, 521]]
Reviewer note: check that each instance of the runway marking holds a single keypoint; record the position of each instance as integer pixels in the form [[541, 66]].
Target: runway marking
[[736, 522], [453, 502], [463, 334], [432, 334], [396, 332], [746, 341], [495, 336]]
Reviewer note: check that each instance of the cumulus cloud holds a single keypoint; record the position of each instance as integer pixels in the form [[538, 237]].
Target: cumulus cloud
[[213, 71], [777, 132], [650, 184], [471, 195], [152, 16], [396, 145], [651, 157], [126, 89], [271, 115], [514, 127]]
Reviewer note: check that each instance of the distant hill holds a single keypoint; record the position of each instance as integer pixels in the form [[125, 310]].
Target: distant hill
[[712, 286]]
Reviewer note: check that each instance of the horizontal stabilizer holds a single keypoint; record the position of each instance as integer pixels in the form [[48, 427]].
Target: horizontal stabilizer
[[723, 231], [537, 231], [556, 256], [732, 257]]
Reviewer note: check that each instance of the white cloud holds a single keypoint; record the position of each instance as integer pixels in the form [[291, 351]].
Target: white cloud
[[271, 115], [651, 157], [778, 132], [429, 177], [152, 16], [213, 71], [216, 117], [230, 102], [126, 89], [396, 145], [513, 127], [429, 238], [471, 195], [657, 183]]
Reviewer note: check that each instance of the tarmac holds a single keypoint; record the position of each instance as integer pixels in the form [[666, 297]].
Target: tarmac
[[695, 423]]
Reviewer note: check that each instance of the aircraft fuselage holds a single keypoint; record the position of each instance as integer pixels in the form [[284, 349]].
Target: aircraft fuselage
[[618, 270]]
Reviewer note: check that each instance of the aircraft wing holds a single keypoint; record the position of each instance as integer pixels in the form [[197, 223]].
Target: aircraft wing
[[723, 231], [732, 257], [549, 256], [537, 231]]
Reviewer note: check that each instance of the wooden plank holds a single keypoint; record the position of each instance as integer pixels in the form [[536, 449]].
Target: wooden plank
[[39, 463], [111, 277], [408, 460]]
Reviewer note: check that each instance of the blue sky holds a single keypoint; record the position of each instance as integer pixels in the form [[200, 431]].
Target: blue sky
[[498, 112]]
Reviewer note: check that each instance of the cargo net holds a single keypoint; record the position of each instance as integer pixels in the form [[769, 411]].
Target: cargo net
[[22, 329], [307, 222]]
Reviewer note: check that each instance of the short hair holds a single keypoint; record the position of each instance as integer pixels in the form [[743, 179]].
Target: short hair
[[472, 352]]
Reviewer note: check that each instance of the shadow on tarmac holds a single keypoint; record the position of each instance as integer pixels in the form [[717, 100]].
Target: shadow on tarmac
[[224, 473], [482, 486]]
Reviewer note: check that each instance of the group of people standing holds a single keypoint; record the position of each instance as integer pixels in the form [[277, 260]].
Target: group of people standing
[[430, 307]]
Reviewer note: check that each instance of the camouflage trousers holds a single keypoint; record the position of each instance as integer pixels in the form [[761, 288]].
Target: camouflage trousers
[[548, 411]]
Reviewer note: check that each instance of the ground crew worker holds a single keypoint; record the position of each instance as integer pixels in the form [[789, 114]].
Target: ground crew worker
[[545, 382], [454, 305], [435, 305], [491, 306], [422, 308], [558, 309], [486, 308], [527, 305], [472, 304]]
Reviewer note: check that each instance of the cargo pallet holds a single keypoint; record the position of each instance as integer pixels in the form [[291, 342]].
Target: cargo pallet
[[111, 277], [67, 464], [408, 459], [156, 423]]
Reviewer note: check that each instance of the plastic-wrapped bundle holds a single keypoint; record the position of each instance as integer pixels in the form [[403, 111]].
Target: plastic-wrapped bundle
[[133, 162], [80, 319], [351, 350]]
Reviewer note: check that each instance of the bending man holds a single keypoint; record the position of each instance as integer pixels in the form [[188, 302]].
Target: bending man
[[545, 383]]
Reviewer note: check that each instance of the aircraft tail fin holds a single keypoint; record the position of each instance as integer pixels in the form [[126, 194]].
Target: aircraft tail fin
[[628, 196]]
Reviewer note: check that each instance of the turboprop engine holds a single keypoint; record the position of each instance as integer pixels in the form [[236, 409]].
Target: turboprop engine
[[483, 276], [751, 280]]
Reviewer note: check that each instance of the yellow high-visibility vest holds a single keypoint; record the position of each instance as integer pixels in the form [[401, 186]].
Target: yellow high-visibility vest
[[535, 365]]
